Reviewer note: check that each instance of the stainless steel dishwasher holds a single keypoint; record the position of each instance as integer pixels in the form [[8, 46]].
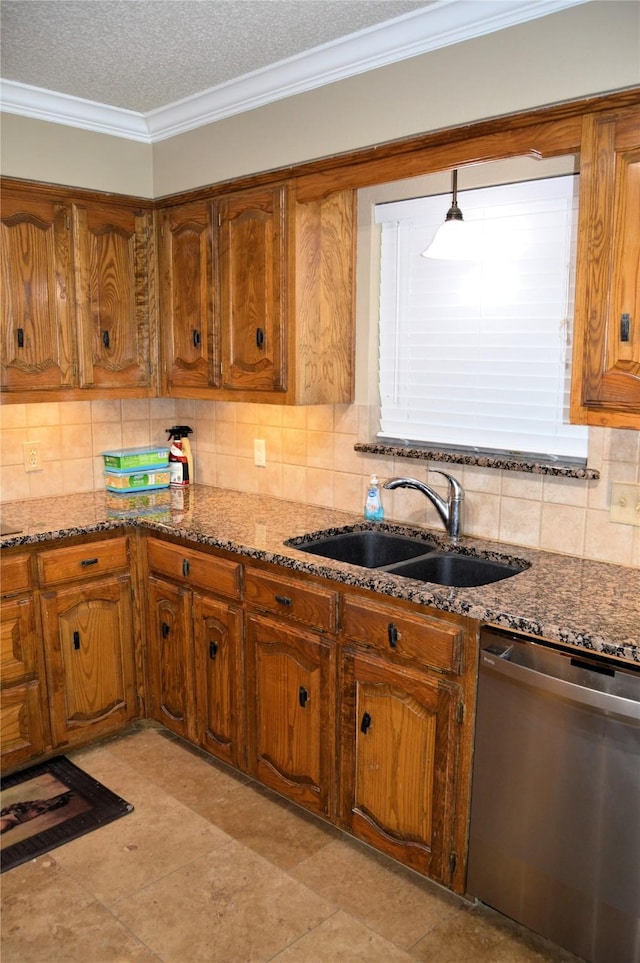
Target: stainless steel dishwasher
[[555, 805]]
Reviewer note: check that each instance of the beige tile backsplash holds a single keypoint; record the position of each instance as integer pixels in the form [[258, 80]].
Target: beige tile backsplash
[[310, 458]]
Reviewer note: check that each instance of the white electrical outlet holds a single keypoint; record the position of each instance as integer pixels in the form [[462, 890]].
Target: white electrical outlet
[[625, 503], [31, 456], [259, 452]]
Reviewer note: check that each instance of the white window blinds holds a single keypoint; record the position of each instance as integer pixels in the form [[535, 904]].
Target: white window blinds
[[476, 354]]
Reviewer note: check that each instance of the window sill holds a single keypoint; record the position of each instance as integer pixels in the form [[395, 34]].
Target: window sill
[[503, 462]]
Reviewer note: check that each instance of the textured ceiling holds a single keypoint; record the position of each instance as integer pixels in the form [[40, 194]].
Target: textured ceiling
[[144, 54]]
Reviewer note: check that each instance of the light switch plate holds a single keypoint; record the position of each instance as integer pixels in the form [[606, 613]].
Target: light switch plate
[[259, 452], [625, 503]]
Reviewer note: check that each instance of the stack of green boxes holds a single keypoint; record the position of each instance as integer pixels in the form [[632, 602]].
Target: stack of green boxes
[[137, 480]]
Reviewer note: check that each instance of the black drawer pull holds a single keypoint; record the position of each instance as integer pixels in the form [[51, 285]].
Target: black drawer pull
[[303, 696], [165, 630], [283, 600], [105, 339], [88, 561], [625, 327], [185, 567], [366, 722], [213, 650], [76, 640], [259, 337], [196, 338], [20, 336], [392, 633]]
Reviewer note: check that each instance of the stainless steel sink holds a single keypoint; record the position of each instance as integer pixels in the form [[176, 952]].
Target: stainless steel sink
[[449, 568], [407, 556], [371, 549]]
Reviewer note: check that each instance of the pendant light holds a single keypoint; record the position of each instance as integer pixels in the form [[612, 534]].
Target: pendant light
[[452, 241]]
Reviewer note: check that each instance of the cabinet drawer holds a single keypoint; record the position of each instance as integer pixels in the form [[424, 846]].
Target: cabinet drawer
[[15, 574], [420, 638], [217, 575], [303, 602], [83, 561]]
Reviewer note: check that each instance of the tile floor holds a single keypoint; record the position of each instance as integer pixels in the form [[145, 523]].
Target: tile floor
[[212, 868]]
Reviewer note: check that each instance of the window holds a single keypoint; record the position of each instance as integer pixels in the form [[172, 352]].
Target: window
[[476, 354]]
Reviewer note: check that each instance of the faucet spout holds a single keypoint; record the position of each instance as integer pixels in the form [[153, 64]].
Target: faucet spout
[[450, 511]]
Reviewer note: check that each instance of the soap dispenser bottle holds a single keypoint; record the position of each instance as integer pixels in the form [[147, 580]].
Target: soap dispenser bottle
[[373, 510]]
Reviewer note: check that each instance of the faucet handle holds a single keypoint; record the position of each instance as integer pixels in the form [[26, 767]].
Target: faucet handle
[[455, 488]]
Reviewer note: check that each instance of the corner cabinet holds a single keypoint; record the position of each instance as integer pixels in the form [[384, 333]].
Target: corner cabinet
[[606, 363], [78, 280], [257, 297]]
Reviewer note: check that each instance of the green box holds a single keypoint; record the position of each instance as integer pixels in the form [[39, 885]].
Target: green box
[[126, 459]]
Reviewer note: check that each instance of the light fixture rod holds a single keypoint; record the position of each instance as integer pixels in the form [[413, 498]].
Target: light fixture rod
[[454, 213]]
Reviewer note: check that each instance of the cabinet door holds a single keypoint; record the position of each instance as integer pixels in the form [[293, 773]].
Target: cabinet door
[[170, 656], [399, 751], [291, 705], [217, 631], [88, 634], [606, 378], [252, 288], [112, 278], [22, 726], [190, 353], [37, 301]]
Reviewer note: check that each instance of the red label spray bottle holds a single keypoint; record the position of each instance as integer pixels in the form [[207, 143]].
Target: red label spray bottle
[[180, 457]]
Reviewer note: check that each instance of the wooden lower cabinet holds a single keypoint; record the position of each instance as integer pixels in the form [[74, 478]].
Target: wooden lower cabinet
[[291, 719], [88, 632], [398, 762], [23, 726], [217, 637], [170, 657]]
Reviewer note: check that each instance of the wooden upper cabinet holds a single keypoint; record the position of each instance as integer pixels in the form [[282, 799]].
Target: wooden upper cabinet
[[323, 345], [606, 374], [252, 288], [78, 281], [190, 353], [113, 278], [272, 318], [37, 301]]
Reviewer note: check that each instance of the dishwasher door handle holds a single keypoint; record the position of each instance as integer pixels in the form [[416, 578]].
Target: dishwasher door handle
[[627, 709]]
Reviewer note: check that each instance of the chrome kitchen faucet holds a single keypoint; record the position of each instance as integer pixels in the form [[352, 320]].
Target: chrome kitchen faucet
[[450, 511]]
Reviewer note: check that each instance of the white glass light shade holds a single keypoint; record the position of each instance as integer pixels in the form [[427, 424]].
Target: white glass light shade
[[455, 240]]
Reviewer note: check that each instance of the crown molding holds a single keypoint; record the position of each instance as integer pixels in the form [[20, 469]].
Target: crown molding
[[439, 25], [71, 111]]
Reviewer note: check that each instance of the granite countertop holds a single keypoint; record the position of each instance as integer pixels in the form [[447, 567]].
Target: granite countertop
[[593, 605]]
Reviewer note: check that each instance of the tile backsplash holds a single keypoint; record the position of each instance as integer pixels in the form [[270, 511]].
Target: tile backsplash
[[310, 458]]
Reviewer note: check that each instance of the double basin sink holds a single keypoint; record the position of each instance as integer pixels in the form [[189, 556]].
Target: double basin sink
[[406, 555]]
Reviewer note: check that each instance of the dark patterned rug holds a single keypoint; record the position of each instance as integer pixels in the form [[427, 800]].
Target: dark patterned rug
[[49, 804]]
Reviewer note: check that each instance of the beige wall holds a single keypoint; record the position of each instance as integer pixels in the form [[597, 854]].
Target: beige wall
[[581, 51], [40, 151]]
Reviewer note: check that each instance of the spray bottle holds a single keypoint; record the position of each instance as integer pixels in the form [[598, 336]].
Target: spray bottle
[[180, 457]]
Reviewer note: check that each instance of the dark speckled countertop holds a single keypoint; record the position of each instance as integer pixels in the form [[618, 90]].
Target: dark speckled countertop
[[574, 601]]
